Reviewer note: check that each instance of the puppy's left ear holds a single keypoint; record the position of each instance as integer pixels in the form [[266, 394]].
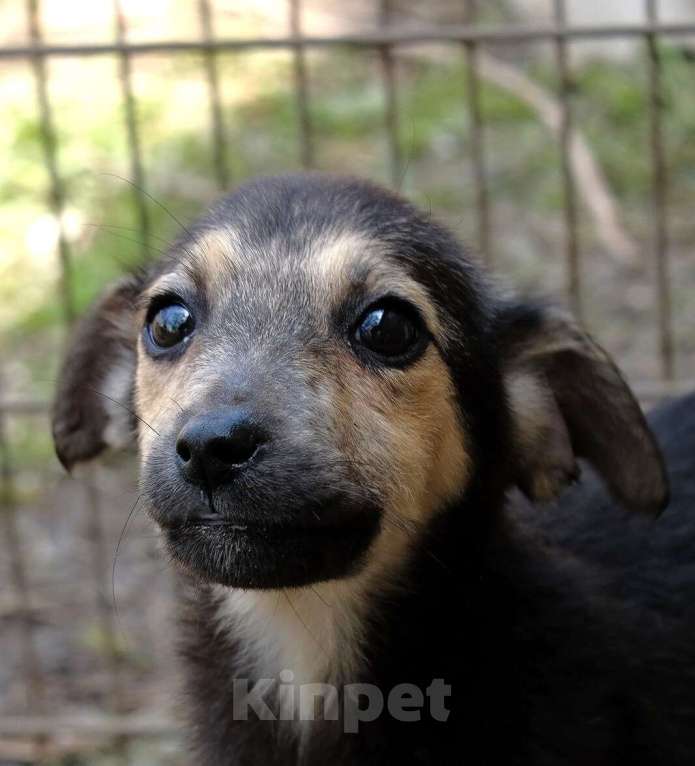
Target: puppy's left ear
[[569, 400], [93, 407]]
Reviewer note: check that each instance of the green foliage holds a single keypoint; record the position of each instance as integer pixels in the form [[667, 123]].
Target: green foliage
[[261, 128]]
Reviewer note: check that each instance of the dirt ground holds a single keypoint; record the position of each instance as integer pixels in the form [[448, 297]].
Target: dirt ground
[[98, 634], [101, 624]]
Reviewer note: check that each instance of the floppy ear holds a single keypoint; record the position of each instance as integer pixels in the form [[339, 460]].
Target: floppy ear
[[93, 408], [569, 400]]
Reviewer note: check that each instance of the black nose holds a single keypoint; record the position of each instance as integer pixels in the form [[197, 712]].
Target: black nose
[[213, 447]]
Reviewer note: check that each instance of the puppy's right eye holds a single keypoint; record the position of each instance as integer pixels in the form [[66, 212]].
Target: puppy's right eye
[[169, 326]]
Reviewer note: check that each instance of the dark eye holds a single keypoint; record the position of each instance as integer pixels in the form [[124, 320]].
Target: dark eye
[[170, 325], [391, 331]]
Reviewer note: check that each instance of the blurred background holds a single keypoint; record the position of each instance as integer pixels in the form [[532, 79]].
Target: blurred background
[[556, 138]]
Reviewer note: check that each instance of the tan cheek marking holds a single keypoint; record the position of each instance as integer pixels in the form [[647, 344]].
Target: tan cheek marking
[[404, 433]]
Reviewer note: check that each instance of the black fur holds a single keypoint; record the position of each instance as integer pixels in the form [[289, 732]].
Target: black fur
[[300, 477], [565, 633]]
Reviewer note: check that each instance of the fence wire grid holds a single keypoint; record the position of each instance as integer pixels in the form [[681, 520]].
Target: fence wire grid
[[112, 716]]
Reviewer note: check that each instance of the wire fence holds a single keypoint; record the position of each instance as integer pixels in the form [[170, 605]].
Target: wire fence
[[36, 721]]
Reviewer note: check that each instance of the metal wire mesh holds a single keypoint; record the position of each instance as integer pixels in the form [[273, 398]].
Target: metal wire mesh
[[384, 39]]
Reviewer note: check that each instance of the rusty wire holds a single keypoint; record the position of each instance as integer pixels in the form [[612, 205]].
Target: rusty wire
[[219, 141], [568, 185], [384, 39], [133, 135], [455, 33], [659, 195], [388, 76], [477, 150], [301, 85]]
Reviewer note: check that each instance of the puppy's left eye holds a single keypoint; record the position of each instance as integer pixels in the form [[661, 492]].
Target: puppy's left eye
[[390, 330], [169, 326]]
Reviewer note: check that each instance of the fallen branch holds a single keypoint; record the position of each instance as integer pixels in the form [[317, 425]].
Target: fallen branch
[[590, 181]]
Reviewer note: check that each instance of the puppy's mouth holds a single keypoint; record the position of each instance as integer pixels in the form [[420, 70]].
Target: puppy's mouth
[[247, 553]]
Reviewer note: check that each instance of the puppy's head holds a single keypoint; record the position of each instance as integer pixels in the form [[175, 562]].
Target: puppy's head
[[315, 371]]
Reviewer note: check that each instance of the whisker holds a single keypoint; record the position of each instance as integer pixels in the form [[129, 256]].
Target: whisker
[[408, 157], [131, 229], [407, 525], [120, 404], [176, 403], [298, 616], [274, 612], [320, 597], [115, 561], [123, 263], [411, 528], [150, 197]]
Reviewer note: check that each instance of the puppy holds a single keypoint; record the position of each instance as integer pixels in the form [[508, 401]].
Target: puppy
[[335, 413]]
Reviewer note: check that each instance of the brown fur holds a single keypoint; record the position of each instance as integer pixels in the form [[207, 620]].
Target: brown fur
[[400, 430], [368, 493]]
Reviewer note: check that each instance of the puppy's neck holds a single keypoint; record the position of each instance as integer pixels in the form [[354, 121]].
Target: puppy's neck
[[315, 632]]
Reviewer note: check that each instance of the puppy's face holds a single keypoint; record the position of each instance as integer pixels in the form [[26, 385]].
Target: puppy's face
[[300, 399], [317, 372]]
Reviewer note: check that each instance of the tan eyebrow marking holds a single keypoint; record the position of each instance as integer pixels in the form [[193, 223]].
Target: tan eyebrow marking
[[395, 282], [333, 260], [212, 254], [173, 281], [216, 252]]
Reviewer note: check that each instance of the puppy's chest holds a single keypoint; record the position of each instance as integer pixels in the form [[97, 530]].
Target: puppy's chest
[[297, 637], [293, 651]]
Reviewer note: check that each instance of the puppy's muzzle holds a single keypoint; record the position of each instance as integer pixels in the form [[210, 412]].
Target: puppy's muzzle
[[251, 496]]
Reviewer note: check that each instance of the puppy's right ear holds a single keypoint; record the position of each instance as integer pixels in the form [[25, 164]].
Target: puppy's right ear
[[93, 408]]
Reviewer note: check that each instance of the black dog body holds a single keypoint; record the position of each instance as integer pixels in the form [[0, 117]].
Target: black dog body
[[355, 413], [560, 646]]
